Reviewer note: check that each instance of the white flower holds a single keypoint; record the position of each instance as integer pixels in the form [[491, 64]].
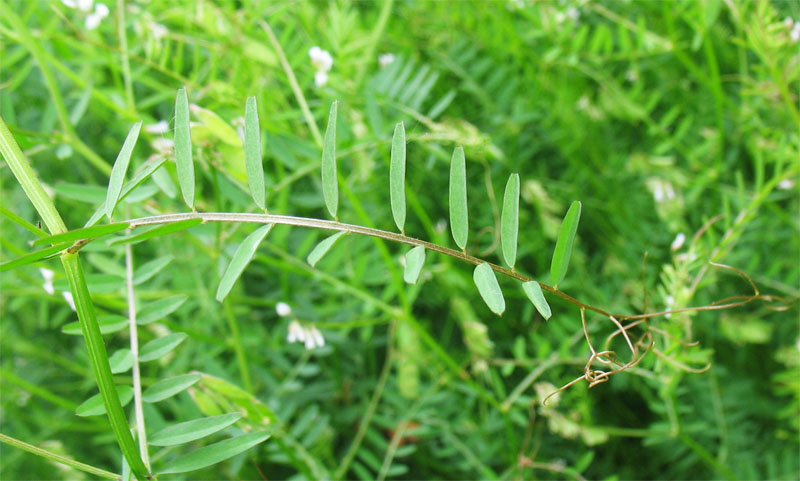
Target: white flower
[[320, 341], [283, 309], [631, 76], [48, 280], [385, 59], [661, 189], [163, 144], [84, 5], [678, 242], [788, 22], [93, 19], [308, 335], [160, 127], [296, 332], [68, 297], [159, 31], [795, 33], [573, 14], [786, 184], [320, 59], [320, 78], [669, 301]]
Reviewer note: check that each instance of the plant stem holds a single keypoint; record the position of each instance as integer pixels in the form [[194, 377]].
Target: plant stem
[[126, 64], [298, 93], [241, 355], [57, 457], [134, 341]]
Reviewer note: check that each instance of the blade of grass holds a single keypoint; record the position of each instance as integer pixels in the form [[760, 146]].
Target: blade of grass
[[330, 181], [33, 256], [57, 457], [397, 176], [120, 168], [81, 234], [509, 220], [459, 221], [252, 153], [21, 222], [183, 148]]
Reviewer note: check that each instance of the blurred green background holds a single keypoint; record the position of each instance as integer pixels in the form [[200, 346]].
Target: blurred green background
[[658, 116]]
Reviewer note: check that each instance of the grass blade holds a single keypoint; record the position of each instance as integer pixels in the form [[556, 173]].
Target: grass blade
[[120, 168], [252, 153], [397, 176], [156, 231], [534, 292], [161, 346], [191, 430], [489, 289], [34, 256], [21, 222], [166, 388], [330, 185], [214, 453], [83, 233], [94, 405], [183, 148], [244, 253], [509, 220], [157, 310], [459, 222], [415, 259], [322, 248], [563, 250]]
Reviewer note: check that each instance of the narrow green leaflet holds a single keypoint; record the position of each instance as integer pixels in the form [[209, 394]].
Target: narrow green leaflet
[[146, 271], [214, 453], [322, 248], [166, 388], [563, 250], [157, 310], [143, 174], [330, 186], [509, 220], [489, 289], [183, 148], [459, 222], [191, 430], [21, 222], [534, 292], [415, 259], [80, 234], [120, 168], [252, 153], [243, 255], [161, 346], [121, 361], [94, 405], [34, 256], [397, 176], [109, 323], [156, 231]]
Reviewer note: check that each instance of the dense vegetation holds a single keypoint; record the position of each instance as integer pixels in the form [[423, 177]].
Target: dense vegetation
[[675, 124]]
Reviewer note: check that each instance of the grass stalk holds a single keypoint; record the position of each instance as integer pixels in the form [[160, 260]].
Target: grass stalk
[[141, 433], [57, 457], [241, 355]]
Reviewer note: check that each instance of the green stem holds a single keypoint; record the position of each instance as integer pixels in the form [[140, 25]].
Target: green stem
[[241, 355], [100, 365], [57, 457], [126, 65], [141, 433], [298, 93], [369, 53]]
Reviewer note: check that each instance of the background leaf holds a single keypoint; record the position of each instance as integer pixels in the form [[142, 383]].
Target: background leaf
[[397, 176], [509, 220], [322, 248], [459, 222], [166, 388], [120, 168], [157, 310], [161, 346], [330, 182], [244, 253], [183, 148], [252, 153], [489, 289], [563, 250]]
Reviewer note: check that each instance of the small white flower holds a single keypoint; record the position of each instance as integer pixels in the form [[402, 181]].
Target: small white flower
[[678, 242], [93, 19], [318, 339], [662, 190], [686, 257], [583, 103], [160, 127], [159, 31], [84, 5], [385, 59], [283, 309], [788, 22], [48, 280], [308, 335], [68, 297], [795, 33], [320, 79], [669, 301], [786, 184], [296, 332], [320, 59], [440, 226], [310, 341], [573, 14], [631, 76]]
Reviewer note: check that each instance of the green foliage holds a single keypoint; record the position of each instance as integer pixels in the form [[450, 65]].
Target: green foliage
[[660, 117]]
